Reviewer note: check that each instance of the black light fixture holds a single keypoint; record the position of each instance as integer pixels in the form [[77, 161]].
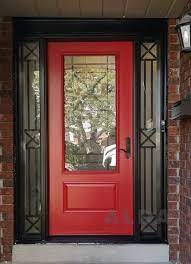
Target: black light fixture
[[184, 32]]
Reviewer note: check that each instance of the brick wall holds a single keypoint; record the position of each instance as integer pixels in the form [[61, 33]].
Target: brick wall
[[179, 153], [173, 142], [185, 165], [6, 140]]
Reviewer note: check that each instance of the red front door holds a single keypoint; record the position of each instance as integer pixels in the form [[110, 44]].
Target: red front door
[[90, 138]]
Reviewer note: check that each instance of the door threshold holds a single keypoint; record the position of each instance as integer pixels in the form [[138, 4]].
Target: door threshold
[[89, 239], [105, 239], [94, 253]]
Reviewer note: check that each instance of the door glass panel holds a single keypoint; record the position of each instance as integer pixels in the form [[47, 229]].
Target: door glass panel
[[90, 112], [29, 89], [149, 145]]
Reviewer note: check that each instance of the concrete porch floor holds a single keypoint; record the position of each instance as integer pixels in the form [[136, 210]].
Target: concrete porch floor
[[91, 253]]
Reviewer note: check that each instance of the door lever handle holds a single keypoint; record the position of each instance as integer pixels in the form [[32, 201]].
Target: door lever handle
[[128, 148]]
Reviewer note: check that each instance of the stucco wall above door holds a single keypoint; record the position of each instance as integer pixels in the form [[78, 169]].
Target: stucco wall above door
[[93, 8]]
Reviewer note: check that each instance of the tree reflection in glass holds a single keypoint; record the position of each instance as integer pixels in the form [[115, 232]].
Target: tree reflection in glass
[[90, 112]]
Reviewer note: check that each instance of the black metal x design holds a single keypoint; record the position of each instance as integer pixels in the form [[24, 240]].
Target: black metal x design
[[31, 51], [148, 224], [149, 50], [32, 138], [148, 137], [33, 224]]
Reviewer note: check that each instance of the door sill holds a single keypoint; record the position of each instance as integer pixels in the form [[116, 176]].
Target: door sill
[[94, 253], [89, 239]]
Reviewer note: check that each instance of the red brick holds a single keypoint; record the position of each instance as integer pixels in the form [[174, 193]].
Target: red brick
[[7, 249], [173, 97], [173, 147], [172, 188], [8, 183], [6, 191], [173, 197], [174, 164], [173, 256], [172, 155], [173, 55], [6, 175], [173, 89], [172, 205], [172, 222], [175, 247], [173, 239], [173, 39], [173, 213], [6, 207], [173, 179], [173, 130], [7, 199]]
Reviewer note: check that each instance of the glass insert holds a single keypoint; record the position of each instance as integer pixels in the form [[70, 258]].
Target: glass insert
[[30, 136], [185, 31], [148, 140], [90, 112]]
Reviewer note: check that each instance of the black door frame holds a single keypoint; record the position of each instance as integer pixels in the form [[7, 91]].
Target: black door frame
[[43, 30]]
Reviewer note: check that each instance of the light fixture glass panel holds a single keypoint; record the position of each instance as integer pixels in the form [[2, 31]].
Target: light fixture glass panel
[[185, 32]]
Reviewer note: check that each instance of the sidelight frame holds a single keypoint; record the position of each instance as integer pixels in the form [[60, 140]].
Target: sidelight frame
[[44, 30]]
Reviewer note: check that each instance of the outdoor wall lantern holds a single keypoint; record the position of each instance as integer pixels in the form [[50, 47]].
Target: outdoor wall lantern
[[183, 27]]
